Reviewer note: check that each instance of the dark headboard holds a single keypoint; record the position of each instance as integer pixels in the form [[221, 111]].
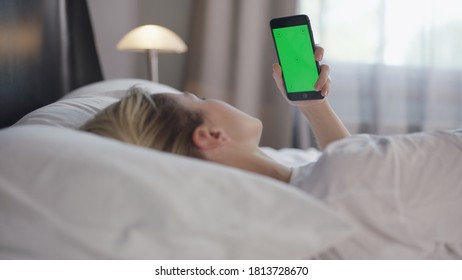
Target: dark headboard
[[46, 50]]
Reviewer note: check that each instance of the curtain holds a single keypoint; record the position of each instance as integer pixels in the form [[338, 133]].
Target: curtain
[[46, 50], [230, 58], [395, 65]]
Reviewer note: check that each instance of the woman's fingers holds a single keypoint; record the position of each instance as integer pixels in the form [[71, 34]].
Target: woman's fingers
[[277, 76], [324, 79], [318, 53], [323, 83]]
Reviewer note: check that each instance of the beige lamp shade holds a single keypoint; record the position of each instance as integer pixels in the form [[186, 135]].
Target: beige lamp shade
[[152, 37]]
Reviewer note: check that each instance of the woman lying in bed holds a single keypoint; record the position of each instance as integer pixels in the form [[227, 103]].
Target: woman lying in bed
[[401, 211], [210, 129]]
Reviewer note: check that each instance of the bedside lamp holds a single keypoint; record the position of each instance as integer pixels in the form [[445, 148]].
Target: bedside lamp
[[154, 39]]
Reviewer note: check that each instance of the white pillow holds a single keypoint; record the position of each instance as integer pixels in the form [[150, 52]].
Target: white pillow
[[74, 109], [66, 194], [117, 88]]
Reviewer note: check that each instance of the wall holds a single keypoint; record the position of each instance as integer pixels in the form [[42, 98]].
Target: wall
[[112, 19]]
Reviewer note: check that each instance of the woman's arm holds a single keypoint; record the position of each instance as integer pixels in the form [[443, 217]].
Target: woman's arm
[[325, 123]]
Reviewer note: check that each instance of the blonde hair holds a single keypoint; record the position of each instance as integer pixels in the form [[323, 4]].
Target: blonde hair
[[155, 121]]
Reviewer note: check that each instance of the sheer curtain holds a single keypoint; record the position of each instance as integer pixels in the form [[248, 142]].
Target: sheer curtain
[[395, 65], [230, 59]]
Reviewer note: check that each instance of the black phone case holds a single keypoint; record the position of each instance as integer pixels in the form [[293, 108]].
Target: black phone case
[[292, 21]]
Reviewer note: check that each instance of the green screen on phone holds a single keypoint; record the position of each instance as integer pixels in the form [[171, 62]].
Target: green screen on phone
[[296, 57]]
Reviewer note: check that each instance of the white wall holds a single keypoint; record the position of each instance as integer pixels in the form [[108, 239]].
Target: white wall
[[112, 19]]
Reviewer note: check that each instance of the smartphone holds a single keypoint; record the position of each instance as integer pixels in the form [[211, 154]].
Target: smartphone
[[293, 39]]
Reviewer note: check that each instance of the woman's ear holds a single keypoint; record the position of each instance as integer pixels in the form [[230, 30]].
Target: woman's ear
[[207, 138]]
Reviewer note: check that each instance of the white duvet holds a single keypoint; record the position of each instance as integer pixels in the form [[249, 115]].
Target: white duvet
[[403, 194]]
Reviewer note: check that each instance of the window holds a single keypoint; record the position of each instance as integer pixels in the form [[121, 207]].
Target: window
[[395, 64], [391, 32]]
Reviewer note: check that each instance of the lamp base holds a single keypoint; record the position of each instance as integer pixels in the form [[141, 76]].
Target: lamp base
[[153, 65]]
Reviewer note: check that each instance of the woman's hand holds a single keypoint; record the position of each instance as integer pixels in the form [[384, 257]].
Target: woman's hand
[[326, 125], [323, 83]]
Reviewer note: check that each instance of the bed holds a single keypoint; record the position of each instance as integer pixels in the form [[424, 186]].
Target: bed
[[67, 194], [70, 194]]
